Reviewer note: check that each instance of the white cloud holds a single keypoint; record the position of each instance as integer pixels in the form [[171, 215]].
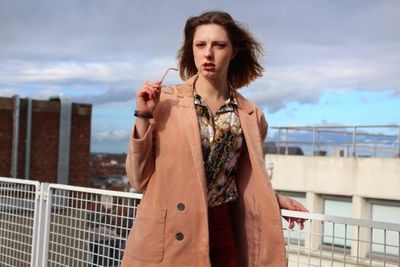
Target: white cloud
[[101, 48], [305, 83], [112, 136], [22, 73]]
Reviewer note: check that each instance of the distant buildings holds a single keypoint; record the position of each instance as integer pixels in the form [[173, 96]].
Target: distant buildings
[[48, 141], [108, 171]]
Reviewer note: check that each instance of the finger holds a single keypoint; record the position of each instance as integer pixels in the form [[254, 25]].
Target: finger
[[300, 207], [301, 226], [154, 84], [142, 94], [153, 89], [147, 94], [157, 90], [156, 93], [291, 223], [144, 90]]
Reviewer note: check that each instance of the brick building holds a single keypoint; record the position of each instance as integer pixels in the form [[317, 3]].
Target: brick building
[[48, 141]]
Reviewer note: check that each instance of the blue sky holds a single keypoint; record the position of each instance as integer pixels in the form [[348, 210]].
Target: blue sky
[[327, 62]]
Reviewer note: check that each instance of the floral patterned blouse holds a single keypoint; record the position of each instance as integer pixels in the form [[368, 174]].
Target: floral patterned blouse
[[221, 139]]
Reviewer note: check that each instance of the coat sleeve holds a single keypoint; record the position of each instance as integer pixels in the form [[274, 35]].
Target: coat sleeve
[[140, 159]]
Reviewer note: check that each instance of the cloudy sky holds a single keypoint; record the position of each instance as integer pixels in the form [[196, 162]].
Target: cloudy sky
[[327, 62]]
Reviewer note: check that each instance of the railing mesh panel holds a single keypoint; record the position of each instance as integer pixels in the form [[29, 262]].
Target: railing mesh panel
[[17, 206], [88, 229], [330, 243]]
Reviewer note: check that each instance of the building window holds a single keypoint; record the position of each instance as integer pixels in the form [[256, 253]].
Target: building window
[[385, 241], [338, 235]]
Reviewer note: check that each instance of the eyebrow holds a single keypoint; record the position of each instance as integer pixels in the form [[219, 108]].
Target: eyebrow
[[213, 42]]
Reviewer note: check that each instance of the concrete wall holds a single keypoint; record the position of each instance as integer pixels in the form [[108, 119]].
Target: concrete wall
[[377, 178], [360, 179]]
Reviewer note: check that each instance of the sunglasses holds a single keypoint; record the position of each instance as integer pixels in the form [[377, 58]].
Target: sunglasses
[[166, 72]]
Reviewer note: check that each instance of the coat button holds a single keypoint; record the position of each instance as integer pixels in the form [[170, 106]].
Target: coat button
[[179, 236], [180, 206]]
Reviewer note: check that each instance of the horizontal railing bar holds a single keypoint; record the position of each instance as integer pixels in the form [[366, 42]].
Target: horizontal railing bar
[[19, 181], [332, 142], [342, 220], [336, 126], [96, 191], [359, 134]]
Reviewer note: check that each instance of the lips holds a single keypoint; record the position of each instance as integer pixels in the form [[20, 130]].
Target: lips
[[209, 66]]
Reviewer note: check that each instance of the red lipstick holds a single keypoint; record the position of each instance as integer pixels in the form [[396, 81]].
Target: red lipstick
[[209, 66]]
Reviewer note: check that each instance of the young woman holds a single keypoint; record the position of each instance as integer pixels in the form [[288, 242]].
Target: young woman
[[196, 153]]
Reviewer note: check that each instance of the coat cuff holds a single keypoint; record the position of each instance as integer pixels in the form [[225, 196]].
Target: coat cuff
[[141, 144]]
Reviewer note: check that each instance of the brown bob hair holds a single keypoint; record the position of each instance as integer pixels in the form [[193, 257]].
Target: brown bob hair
[[243, 68]]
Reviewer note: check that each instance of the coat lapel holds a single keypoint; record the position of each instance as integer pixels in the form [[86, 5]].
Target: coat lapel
[[189, 120], [250, 127]]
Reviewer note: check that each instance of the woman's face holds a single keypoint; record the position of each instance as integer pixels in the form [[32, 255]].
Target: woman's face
[[212, 51]]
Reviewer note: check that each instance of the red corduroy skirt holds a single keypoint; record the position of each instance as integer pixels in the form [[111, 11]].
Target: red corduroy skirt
[[223, 249]]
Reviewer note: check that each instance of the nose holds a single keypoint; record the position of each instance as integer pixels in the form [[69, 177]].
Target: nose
[[208, 53]]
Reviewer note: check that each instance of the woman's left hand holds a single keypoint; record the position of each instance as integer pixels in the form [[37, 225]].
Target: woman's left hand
[[291, 204]]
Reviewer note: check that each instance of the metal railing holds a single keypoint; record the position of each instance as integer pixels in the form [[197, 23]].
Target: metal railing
[[354, 141], [19, 221], [59, 225], [339, 241]]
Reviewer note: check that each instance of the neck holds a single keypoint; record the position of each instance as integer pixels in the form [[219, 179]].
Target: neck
[[212, 89]]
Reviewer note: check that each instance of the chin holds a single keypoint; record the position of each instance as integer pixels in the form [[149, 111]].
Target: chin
[[209, 74]]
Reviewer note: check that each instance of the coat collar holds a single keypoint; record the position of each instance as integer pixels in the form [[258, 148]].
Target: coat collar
[[186, 90]]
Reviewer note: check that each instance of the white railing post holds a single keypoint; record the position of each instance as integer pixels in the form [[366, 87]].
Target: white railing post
[[278, 142], [354, 141], [286, 142], [44, 217], [36, 225], [314, 141]]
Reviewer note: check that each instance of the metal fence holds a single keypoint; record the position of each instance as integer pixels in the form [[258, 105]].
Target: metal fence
[[339, 241], [19, 205], [87, 226], [59, 225], [345, 141]]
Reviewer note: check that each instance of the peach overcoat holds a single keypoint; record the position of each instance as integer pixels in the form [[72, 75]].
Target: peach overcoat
[[171, 226]]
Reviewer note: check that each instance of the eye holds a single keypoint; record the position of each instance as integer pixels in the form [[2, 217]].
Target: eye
[[200, 45], [220, 45]]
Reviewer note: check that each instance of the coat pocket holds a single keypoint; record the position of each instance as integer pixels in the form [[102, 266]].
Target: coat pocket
[[146, 241]]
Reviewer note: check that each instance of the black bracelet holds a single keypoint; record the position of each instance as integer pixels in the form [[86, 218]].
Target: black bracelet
[[143, 114]]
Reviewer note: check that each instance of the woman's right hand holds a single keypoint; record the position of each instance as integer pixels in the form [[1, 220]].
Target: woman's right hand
[[148, 96]]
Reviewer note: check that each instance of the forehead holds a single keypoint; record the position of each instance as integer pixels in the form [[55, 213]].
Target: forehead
[[211, 32]]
